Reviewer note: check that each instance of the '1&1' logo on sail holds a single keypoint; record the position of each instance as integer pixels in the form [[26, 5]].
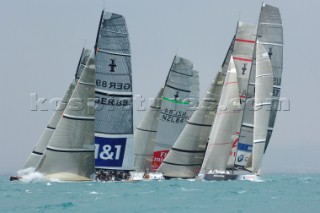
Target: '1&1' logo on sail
[[109, 152]]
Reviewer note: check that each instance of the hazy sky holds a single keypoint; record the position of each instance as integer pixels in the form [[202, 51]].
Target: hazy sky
[[41, 41]]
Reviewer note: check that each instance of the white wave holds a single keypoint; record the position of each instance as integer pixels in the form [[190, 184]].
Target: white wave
[[26, 171], [29, 175], [189, 190], [94, 193]]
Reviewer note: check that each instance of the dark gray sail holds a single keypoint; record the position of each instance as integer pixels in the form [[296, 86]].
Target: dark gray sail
[[85, 55], [270, 35], [113, 93]]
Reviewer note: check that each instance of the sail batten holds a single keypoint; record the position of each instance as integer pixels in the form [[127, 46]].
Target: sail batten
[[113, 53]]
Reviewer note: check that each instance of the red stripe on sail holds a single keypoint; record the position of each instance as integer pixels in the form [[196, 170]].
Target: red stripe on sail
[[244, 40], [232, 82], [242, 59]]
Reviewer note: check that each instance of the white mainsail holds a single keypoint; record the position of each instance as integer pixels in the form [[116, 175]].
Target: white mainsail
[[145, 136], [225, 123], [175, 106], [263, 97], [37, 153], [114, 113], [69, 155], [185, 157], [270, 35]]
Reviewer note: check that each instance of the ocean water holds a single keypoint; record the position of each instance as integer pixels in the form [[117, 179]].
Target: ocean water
[[275, 193]]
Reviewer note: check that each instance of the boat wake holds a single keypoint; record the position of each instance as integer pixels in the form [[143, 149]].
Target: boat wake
[[29, 175]]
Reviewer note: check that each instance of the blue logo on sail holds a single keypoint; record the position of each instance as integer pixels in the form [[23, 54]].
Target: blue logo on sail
[[109, 152], [245, 147]]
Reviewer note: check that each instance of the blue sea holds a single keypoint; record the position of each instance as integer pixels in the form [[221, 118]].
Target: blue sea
[[274, 193]]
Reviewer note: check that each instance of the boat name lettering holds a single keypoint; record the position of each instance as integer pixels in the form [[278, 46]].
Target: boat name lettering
[[113, 85], [112, 101]]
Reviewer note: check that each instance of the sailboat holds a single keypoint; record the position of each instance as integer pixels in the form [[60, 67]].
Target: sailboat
[[225, 123], [36, 155], [113, 93], [175, 109], [69, 155], [186, 157], [254, 131], [165, 118]]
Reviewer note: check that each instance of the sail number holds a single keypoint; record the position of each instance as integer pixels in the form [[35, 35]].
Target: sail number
[[113, 85], [276, 92]]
